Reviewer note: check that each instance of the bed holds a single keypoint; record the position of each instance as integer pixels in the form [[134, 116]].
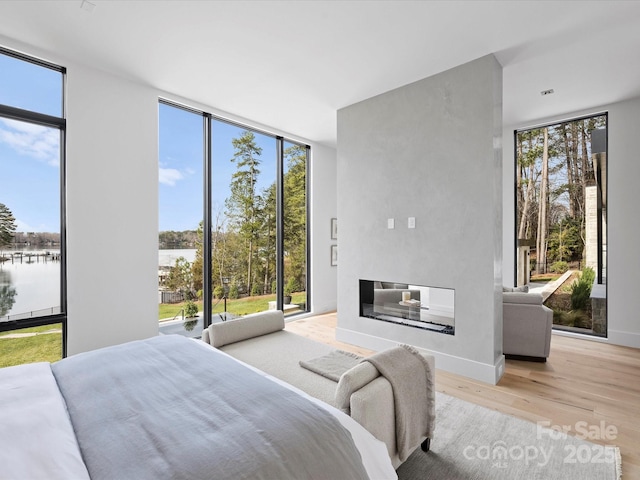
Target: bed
[[170, 408]]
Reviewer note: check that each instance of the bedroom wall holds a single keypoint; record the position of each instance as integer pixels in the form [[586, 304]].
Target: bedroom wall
[[112, 219], [429, 150], [112, 206], [324, 206], [623, 230]]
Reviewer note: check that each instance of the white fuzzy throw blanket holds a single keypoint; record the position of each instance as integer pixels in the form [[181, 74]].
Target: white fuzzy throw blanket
[[411, 379]]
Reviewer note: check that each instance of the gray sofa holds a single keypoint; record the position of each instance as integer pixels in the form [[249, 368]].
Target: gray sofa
[[387, 292], [526, 326], [261, 341]]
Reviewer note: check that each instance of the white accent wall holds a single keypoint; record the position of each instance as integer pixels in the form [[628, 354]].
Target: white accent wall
[[623, 170], [429, 150], [112, 210]]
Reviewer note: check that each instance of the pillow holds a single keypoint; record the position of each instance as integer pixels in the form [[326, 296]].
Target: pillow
[[242, 328]]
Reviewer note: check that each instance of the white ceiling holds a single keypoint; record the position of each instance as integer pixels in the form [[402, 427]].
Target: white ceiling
[[292, 64]]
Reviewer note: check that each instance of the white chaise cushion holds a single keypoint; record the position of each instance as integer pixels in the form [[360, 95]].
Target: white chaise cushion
[[243, 328]]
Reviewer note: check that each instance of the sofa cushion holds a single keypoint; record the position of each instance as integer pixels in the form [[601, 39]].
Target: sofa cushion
[[521, 297], [242, 328]]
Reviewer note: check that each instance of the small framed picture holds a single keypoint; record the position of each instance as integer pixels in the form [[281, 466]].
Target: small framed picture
[[334, 229], [334, 255]]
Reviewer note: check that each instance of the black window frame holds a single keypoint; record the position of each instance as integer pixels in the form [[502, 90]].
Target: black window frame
[[207, 123], [516, 132], [60, 124]]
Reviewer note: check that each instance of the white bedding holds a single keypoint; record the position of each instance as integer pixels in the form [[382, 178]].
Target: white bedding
[[37, 440]]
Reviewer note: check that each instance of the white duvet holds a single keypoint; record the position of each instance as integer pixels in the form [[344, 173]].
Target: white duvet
[[37, 439]]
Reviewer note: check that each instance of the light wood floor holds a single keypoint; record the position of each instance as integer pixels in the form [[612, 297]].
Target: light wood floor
[[590, 387]]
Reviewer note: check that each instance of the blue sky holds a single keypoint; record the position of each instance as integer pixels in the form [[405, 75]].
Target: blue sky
[[180, 169], [29, 154], [30, 160]]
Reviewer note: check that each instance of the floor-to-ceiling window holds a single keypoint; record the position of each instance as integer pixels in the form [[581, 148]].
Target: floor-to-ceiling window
[[561, 220], [180, 176], [295, 227], [249, 249], [32, 233]]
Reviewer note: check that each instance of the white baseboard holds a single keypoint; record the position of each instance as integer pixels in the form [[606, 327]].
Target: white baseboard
[[625, 339], [483, 372], [615, 337]]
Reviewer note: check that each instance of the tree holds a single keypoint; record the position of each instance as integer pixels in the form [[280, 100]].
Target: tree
[[7, 226], [242, 204], [565, 241], [268, 237], [180, 278], [541, 239], [7, 293], [295, 212], [527, 180]]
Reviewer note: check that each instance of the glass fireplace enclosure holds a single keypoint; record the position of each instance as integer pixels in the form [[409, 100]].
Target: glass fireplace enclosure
[[429, 308]]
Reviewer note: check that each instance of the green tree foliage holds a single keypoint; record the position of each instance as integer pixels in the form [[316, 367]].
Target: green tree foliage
[[7, 293], [581, 289], [218, 291], [172, 239], [295, 210], [243, 203], [196, 266], [7, 225], [291, 286], [180, 278], [190, 309], [559, 267], [243, 236], [565, 241]]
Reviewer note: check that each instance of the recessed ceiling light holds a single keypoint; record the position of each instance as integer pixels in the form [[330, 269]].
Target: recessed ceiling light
[[546, 92], [87, 6]]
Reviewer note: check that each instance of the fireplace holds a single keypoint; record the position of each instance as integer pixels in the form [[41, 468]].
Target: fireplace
[[418, 306]]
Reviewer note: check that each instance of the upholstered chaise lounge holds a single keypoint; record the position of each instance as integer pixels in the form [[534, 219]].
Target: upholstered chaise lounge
[[261, 341]]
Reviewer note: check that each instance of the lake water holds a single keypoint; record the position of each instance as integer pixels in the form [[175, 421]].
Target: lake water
[[167, 258], [29, 286], [36, 285]]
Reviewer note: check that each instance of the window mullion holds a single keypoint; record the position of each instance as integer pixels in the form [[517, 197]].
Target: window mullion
[[279, 223], [206, 224]]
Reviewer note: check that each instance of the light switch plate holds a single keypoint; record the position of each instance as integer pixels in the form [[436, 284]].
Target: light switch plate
[[390, 223], [412, 222]]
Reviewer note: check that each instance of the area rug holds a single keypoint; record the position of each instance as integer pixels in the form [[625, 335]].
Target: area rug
[[475, 443]]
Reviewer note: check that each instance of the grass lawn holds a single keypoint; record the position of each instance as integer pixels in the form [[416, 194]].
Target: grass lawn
[[240, 306], [41, 347], [545, 278]]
